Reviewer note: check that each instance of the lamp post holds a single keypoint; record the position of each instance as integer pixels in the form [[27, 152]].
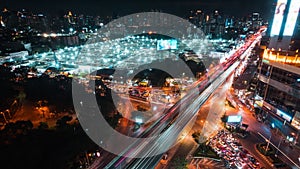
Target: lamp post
[[268, 144], [278, 145], [4, 117], [296, 139]]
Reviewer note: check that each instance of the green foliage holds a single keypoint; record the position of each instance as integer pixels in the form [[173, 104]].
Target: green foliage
[[224, 118], [205, 151], [45, 149], [19, 127], [179, 163], [43, 126], [262, 149], [61, 123], [196, 135]]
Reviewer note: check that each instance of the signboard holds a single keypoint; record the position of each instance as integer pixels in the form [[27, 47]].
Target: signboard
[[166, 44], [278, 17], [284, 115], [291, 18], [258, 103], [234, 119], [138, 120], [296, 120]]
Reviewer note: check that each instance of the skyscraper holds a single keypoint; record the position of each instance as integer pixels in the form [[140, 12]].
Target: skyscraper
[[283, 25], [278, 87]]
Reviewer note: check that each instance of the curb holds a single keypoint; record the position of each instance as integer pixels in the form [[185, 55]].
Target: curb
[[263, 156], [192, 151]]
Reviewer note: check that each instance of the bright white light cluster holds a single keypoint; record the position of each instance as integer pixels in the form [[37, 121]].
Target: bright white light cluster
[[123, 53]]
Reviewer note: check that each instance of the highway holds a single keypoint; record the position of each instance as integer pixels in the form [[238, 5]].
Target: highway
[[167, 130], [170, 136]]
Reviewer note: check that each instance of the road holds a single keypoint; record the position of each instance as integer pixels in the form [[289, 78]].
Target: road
[[151, 162], [208, 122], [265, 130], [171, 135], [250, 142]]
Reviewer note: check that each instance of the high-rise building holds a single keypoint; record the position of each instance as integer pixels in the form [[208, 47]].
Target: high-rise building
[[278, 87], [283, 25], [229, 23], [256, 21]]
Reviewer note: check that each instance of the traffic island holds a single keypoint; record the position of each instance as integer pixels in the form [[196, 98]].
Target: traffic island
[[270, 155], [264, 149], [205, 151]]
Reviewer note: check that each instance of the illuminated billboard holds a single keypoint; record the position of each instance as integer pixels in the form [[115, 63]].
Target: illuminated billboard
[[283, 115], [278, 17], [291, 18], [234, 119], [166, 44]]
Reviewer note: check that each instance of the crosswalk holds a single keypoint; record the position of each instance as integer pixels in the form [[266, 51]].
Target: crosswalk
[[205, 163]]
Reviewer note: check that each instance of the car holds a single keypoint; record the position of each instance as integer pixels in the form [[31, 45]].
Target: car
[[240, 146], [238, 164], [243, 156], [249, 155], [253, 165], [226, 158], [252, 159], [254, 162], [235, 147], [164, 159], [165, 156], [241, 161], [245, 151], [234, 153]]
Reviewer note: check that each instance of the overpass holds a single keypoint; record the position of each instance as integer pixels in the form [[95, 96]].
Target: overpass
[[168, 128]]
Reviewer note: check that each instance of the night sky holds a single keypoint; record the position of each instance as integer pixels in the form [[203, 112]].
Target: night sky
[[123, 7]]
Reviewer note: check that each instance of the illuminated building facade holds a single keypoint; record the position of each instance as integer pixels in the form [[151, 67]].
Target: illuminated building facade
[[278, 88], [283, 25]]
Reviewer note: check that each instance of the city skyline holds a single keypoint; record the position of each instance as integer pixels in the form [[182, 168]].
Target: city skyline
[[158, 84], [121, 8]]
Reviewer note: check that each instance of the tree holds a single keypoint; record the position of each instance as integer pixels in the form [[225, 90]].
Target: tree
[[224, 118], [61, 123], [19, 127], [24, 126], [204, 148], [196, 135], [179, 163], [43, 126]]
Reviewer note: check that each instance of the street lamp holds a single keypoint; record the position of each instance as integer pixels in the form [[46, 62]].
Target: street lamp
[[297, 136], [4, 117], [71, 30], [168, 98], [268, 144], [278, 145]]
